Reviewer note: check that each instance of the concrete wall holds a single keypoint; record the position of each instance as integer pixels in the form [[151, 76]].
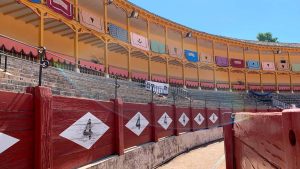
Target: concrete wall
[[151, 155]]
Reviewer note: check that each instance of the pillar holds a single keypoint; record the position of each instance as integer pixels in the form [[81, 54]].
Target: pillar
[[245, 69], [129, 64], [106, 58], [149, 68], [76, 50], [41, 29], [43, 152], [167, 69], [105, 16], [214, 61]]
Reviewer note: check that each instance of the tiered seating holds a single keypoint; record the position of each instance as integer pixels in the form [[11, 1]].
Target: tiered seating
[[21, 74], [289, 98]]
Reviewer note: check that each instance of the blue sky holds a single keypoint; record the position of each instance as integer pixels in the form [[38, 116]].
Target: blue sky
[[241, 19]]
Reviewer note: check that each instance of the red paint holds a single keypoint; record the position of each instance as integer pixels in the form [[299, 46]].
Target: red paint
[[180, 128], [119, 127], [228, 141], [196, 126], [209, 112], [66, 111], [131, 139], [16, 120], [160, 110], [264, 140], [43, 126]]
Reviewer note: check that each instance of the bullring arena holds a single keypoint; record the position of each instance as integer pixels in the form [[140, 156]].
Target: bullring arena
[[81, 86]]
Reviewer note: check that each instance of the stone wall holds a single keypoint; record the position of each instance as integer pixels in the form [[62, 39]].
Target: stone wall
[[151, 155]]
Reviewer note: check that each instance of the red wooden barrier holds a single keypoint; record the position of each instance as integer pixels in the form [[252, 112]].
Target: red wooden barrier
[[200, 119], [164, 121], [83, 131], [16, 130], [213, 117], [43, 125], [264, 140], [137, 122], [183, 119], [62, 132]]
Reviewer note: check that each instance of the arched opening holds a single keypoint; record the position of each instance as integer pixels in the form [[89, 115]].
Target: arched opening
[[236, 52], [237, 78], [118, 60], [191, 75], [175, 73], [157, 38], [253, 80], [222, 78], [59, 42], [140, 61], [206, 74], [205, 50], [174, 44], [221, 49], [283, 80], [91, 54], [158, 69], [268, 81], [117, 22]]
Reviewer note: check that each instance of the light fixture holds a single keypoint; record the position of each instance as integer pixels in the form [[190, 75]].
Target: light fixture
[[278, 51], [110, 2], [134, 14], [188, 35]]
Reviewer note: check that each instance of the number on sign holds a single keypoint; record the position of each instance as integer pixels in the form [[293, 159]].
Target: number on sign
[[183, 119], [138, 123], [165, 120]]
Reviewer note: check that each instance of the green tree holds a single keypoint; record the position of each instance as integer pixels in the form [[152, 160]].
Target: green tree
[[266, 37]]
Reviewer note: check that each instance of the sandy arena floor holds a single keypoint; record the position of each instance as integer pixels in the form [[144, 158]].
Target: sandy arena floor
[[208, 157]]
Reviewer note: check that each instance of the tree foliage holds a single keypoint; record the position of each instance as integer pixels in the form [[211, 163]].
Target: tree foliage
[[266, 37]]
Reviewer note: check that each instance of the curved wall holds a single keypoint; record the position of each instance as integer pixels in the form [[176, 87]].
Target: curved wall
[[155, 28]]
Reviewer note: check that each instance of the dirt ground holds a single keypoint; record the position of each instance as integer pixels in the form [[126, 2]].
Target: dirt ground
[[207, 157]]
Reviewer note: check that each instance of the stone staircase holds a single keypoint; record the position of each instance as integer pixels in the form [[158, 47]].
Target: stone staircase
[[22, 73]]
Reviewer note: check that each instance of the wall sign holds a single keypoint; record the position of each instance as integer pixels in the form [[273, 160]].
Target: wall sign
[[86, 131]]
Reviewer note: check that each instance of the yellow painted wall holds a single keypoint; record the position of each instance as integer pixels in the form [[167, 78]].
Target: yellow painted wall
[[283, 79], [157, 33], [236, 52], [267, 56], [206, 75], [190, 44], [191, 73], [139, 64], [205, 48], [296, 79], [117, 16], [19, 30], [237, 76], [175, 71], [174, 38], [220, 50], [158, 68], [253, 78], [295, 57], [88, 52], [268, 79], [60, 44], [251, 54], [118, 60], [138, 26], [221, 76], [282, 56]]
